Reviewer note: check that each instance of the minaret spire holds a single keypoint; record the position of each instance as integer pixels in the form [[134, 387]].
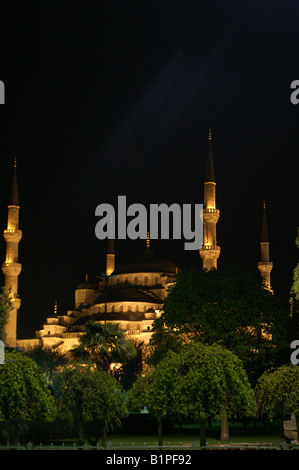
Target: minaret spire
[[210, 251], [265, 265], [11, 267], [14, 195], [210, 171]]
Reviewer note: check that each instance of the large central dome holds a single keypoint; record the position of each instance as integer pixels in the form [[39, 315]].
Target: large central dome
[[147, 263]]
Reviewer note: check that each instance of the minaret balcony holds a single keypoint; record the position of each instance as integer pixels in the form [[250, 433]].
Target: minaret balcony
[[265, 266], [16, 303], [210, 248], [12, 235], [11, 269], [211, 209], [211, 215]]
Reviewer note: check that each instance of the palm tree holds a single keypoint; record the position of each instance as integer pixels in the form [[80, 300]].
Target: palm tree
[[104, 344], [48, 359]]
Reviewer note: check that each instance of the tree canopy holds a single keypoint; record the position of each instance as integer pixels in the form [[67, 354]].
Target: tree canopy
[[198, 382], [85, 394], [224, 306], [295, 286], [104, 344], [277, 392], [24, 391], [47, 358]]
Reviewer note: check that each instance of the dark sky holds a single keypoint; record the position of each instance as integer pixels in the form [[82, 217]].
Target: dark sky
[[108, 98]]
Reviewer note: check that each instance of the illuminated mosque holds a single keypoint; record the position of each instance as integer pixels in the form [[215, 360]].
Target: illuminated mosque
[[131, 294]]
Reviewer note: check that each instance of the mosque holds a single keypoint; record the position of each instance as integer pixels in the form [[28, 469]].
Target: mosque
[[131, 294]]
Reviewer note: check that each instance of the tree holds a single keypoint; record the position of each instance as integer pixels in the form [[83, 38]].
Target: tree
[[295, 286], [157, 396], [133, 366], [228, 307], [104, 344], [200, 382], [85, 394], [277, 392], [48, 359], [294, 297], [5, 307], [24, 392]]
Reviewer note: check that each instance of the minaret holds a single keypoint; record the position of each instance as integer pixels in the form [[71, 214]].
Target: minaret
[[110, 257], [265, 265], [209, 250], [148, 251], [11, 267]]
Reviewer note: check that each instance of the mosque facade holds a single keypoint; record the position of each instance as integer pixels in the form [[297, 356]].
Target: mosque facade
[[131, 294]]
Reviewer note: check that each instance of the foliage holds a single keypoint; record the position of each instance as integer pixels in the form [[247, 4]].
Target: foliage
[[23, 390], [224, 306], [294, 300], [133, 366], [198, 382], [104, 344], [48, 359], [85, 394], [277, 392], [5, 307]]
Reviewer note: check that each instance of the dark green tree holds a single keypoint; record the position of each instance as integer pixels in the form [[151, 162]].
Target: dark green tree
[[104, 344], [199, 382], [224, 306], [133, 366], [85, 394], [48, 359], [294, 299], [295, 285], [24, 393], [277, 392]]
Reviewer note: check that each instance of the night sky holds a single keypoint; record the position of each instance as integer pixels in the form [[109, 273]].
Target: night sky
[[108, 98]]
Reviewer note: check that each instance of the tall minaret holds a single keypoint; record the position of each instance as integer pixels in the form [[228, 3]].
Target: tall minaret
[[11, 267], [210, 251], [265, 265], [110, 257]]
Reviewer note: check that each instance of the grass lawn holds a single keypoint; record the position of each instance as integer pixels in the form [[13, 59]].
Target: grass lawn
[[253, 434]]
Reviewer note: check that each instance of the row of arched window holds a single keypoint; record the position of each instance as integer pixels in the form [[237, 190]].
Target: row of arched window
[[125, 308], [138, 280]]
